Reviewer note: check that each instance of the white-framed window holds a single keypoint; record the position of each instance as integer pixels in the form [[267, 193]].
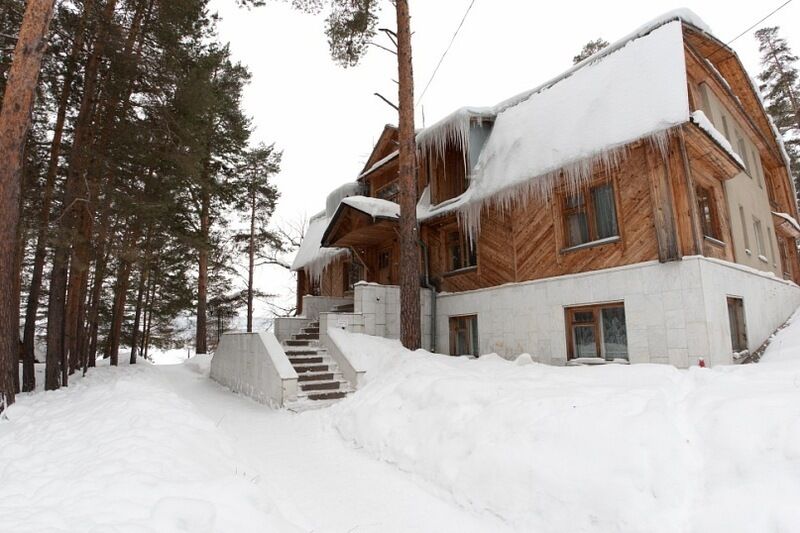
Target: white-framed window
[[757, 231], [744, 230], [771, 247]]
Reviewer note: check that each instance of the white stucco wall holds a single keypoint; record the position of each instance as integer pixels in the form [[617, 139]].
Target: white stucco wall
[[675, 312], [745, 193], [254, 364]]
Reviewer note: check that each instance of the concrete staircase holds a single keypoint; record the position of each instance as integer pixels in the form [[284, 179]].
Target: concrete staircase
[[318, 375]]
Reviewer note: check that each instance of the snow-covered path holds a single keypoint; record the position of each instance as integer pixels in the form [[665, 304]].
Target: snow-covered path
[[163, 448], [316, 480]]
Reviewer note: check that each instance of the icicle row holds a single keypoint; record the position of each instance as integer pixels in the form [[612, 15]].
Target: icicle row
[[573, 176]]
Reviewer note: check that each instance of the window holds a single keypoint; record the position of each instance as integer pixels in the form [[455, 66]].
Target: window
[[464, 335], [754, 161], [709, 219], [743, 154], [384, 259], [461, 252], [737, 324], [784, 251], [389, 192], [597, 331], [744, 230], [590, 215], [759, 237], [725, 127], [353, 273], [447, 173], [771, 247]]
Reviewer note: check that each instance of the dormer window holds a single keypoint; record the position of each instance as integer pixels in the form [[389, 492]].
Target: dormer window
[[447, 173]]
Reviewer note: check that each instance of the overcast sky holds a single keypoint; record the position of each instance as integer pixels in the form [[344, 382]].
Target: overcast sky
[[326, 119]]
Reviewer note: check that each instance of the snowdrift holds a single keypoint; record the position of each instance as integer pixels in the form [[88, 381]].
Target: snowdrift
[[640, 448]]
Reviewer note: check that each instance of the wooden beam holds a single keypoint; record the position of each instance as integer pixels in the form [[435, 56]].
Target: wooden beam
[[688, 182], [663, 212]]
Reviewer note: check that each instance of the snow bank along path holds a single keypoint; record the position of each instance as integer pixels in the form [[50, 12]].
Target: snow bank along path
[[164, 449], [120, 451], [617, 448]]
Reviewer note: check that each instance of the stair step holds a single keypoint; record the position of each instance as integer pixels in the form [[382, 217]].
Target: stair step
[[314, 324], [313, 367], [298, 342], [320, 385], [327, 395], [298, 353], [315, 376], [306, 359], [346, 308], [311, 330]]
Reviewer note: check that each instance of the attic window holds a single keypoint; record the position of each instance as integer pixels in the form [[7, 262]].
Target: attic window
[[447, 174]]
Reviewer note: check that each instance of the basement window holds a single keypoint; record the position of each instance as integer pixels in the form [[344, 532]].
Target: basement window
[[464, 335], [737, 324], [590, 215], [597, 331]]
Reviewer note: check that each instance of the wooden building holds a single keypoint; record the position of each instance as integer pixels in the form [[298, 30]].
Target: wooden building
[[652, 219]]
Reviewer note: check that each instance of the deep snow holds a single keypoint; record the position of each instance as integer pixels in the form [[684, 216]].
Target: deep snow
[[430, 443]]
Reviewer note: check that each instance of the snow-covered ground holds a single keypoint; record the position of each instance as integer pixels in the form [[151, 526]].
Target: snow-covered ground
[[430, 443]]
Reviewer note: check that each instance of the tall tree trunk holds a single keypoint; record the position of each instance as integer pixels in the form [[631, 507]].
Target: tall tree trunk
[[120, 295], [95, 168], [15, 120], [786, 86], [251, 261], [29, 334], [58, 321], [409, 238], [102, 256], [201, 338], [143, 274], [151, 295]]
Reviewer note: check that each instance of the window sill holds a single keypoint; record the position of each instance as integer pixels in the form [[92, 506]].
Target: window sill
[[715, 242], [591, 244], [459, 271]]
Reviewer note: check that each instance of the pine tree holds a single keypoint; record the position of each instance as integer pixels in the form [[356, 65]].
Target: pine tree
[[589, 49], [257, 201], [15, 120], [780, 86], [350, 28]]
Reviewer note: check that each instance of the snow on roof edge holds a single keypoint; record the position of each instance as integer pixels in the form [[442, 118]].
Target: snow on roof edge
[[682, 14]]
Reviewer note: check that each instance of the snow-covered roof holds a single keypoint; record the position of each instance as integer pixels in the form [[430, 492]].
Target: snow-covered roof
[[788, 218], [375, 207], [312, 256], [700, 118], [380, 163], [636, 90]]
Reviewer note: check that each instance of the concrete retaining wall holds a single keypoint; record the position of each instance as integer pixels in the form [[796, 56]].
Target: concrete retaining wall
[[675, 312], [254, 364]]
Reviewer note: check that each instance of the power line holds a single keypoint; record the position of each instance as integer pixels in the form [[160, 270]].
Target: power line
[[760, 21], [721, 46], [444, 54]]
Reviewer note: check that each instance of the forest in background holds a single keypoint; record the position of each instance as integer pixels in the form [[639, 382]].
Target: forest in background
[[142, 193]]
